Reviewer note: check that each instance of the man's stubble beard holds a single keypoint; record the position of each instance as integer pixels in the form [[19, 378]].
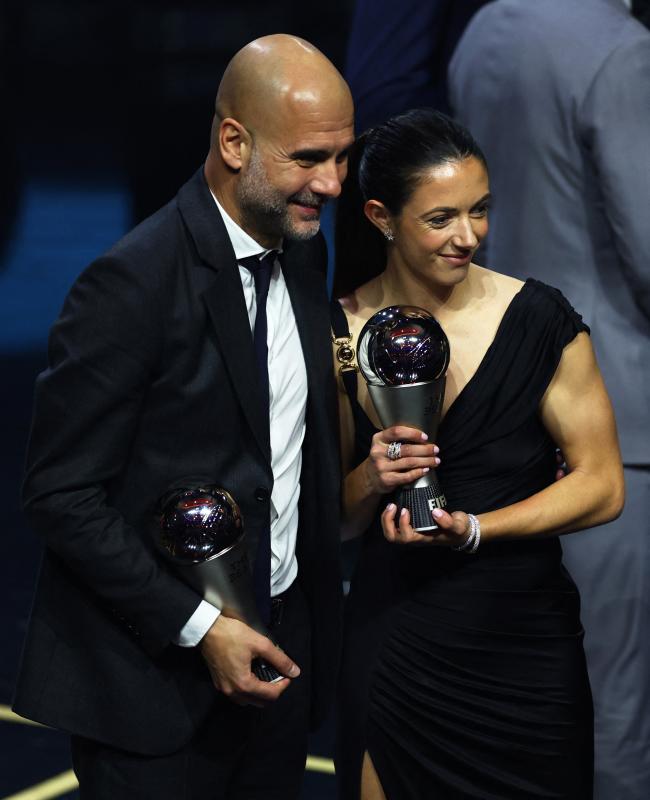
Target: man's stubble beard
[[265, 209]]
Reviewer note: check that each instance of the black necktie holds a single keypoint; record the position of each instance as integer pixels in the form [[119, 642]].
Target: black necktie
[[261, 269]]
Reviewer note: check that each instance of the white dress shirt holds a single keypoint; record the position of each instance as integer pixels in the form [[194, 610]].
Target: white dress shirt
[[288, 401]]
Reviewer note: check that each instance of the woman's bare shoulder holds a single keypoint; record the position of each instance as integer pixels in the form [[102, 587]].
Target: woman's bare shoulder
[[350, 303], [360, 304], [496, 285]]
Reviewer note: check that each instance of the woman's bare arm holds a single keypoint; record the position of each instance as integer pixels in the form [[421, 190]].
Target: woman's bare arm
[[578, 415]]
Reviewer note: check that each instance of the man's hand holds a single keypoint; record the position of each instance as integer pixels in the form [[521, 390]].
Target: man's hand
[[229, 647]]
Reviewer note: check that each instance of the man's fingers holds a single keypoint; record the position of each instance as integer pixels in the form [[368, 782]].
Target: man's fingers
[[230, 647], [278, 658], [247, 689], [254, 692]]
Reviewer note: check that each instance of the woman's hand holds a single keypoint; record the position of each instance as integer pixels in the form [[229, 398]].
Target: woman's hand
[[453, 529], [364, 486], [416, 458]]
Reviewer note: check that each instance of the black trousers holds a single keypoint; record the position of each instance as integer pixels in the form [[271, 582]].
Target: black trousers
[[240, 753]]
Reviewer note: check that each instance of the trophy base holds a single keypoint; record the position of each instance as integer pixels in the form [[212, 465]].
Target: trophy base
[[265, 672], [420, 502]]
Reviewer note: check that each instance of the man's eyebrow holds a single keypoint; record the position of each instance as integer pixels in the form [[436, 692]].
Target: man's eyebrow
[[317, 155], [310, 154]]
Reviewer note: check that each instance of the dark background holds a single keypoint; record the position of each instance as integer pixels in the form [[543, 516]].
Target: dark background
[[106, 110]]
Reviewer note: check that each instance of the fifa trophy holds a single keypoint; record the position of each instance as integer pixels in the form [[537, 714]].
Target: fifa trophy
[[403, 354], [201, 532]]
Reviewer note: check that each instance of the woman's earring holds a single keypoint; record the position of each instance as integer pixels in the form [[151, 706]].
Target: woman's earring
[[389, 235]]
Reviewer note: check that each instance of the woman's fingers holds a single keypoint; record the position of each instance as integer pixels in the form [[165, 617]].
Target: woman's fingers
[[384, 479], [403, 433], [443, 519], [456, 526], [414, 462], [393, 462], [396, 524], [397, 527], [412, 451], [452, 531], [409, 441], [380, 450], [388, 522]]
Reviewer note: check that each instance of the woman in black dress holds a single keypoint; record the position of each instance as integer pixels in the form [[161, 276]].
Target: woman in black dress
[[463, 673]]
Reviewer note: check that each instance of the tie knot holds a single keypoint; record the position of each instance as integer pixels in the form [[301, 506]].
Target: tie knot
[[261, 269]]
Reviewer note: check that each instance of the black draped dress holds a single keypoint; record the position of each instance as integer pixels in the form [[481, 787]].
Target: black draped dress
[[464, 675]]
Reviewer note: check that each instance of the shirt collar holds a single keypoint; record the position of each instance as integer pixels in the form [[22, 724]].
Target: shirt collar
[[242, 243]]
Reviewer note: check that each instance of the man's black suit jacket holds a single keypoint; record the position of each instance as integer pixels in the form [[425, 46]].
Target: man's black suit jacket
[[152, 379]]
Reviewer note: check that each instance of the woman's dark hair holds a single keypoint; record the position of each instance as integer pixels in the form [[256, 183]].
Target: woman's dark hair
[[387, 163]]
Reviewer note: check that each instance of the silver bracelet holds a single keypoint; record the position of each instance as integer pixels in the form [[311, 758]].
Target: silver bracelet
[[476, 528], [474, 539]]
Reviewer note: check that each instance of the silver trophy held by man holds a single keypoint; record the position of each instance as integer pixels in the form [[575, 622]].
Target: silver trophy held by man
[[403, 354], [200, 530]]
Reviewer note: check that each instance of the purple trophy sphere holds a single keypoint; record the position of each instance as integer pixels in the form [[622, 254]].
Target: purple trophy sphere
[[402, 345], [197, 524]]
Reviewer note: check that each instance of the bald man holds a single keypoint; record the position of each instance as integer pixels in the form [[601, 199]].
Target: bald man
[[155, 381]]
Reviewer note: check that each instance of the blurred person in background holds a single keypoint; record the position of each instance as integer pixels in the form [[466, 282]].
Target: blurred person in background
[[557, 93], [398, 53]]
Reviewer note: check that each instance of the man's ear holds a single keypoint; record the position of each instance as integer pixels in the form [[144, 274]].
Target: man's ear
[[234, 143], [379, 215]]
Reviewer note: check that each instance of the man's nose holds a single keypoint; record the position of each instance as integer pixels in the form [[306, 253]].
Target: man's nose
[[328, 179]]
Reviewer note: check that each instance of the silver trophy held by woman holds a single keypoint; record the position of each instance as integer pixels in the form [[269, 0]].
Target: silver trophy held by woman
[[403, 354], [200, 530]]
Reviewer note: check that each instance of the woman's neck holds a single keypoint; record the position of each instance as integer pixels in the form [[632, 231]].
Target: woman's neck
[[400, 287]]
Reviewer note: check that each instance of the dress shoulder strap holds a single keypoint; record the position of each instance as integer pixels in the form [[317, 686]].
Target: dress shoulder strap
[[345, 353], [339, 320]]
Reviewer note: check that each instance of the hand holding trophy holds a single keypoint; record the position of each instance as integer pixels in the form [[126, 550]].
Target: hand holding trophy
[[200, 531], [403, 354]]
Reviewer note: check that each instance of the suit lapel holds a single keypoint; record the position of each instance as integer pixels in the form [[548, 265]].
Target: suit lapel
[[227, 310], [223, 295]]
